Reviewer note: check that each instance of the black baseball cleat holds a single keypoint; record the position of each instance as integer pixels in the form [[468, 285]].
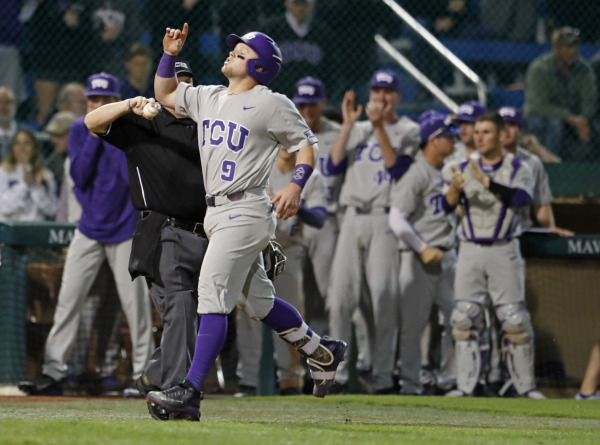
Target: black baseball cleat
[[43, 385], [323, 364], [181, 402]]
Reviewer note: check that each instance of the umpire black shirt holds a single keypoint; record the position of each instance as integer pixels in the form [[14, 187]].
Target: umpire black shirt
[[163, 162]]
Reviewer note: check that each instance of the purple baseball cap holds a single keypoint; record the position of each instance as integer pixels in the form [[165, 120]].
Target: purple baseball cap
[[470, 111], [427, 114], [512, 114], [309, 90], [386, 79], [437, 125], [102, 84]]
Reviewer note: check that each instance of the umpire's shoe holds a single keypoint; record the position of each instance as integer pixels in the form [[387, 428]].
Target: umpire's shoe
[[324, 362], [182, 401], [43, 385]]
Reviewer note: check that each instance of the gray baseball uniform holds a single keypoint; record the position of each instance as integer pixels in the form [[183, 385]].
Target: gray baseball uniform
[[542, 195], [490, 262], [418, 195], [288, 286], [321, 242], [239, 138], [366, 245]]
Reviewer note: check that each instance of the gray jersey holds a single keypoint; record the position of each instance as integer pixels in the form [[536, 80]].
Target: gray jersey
[[289, 231], [367, 181], [484, 217], [333, 183], [419, 193], [237, 149], [460, 152], [542, 195]]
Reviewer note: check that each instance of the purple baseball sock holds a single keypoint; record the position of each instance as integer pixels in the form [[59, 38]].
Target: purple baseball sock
[[283, 317], [211, 336]]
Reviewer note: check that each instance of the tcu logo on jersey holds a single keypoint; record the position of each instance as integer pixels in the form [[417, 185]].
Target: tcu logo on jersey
[[369, 153], [99, 83], [217, 131]]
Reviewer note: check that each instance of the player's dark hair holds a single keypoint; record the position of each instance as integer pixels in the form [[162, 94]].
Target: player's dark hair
[[493, 117]]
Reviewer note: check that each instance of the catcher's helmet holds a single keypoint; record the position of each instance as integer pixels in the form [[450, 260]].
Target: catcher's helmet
[[269, 56]]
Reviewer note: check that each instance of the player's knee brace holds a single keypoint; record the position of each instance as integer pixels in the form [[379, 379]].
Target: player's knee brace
[[516, 323], [466, 320]]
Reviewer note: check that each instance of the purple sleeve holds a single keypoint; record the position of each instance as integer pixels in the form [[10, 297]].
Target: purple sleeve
[[400, 167], [314, 216], [446, 205], [510, 197], [336, 169], [84, 152]]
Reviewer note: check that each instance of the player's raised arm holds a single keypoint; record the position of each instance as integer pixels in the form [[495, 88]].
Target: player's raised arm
[[351, 115], [288, 198], [165, 82]]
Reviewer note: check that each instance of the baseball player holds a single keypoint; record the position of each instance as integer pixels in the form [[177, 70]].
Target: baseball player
[[310, 98], [104, 231], [165, 175], [240, 130], [421, 217], [465, 118], [289, 284], [373, 152], [489, 189], [541, 202]]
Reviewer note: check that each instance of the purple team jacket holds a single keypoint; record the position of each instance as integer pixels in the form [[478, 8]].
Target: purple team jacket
[[99, 171]]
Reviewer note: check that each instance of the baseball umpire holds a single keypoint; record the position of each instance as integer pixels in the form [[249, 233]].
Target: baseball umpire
[[242, 128], [169, 242]]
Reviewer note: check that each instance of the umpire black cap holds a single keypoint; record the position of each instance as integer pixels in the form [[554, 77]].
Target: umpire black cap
[[183, 67]]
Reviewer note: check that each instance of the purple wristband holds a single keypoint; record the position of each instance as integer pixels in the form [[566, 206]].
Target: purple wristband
[[301, 174], [166, 67]]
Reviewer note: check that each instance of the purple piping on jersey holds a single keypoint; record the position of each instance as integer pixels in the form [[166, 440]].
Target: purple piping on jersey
[[500, 221], [400, 167], [512, 228], [516, 162], [338, 169], [468, 214], [490, 168]]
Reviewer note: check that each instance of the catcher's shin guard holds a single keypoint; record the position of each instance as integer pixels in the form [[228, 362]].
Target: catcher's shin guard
[[467, 322], [323, 356]]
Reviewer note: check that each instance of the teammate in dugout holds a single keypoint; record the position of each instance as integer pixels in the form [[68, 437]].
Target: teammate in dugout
[[425, 223], [169, 243], [541, 202], [489, 191], [242, 127], [374, 153]]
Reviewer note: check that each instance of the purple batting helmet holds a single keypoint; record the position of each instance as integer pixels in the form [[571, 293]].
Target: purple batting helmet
[[437, 125], [269, 55], [427, 114]]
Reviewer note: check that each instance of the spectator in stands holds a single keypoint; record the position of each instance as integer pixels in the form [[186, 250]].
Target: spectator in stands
[[511, 19], [58, 129], [115, 26], [306, 42], [8, 123], [12, 36], [589, 386], [541, 202], [57, 30], [140, 72], [561, 89], [27, 188], [71, 97]]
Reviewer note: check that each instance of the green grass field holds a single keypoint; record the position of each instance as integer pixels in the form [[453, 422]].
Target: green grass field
[[344, 420]]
